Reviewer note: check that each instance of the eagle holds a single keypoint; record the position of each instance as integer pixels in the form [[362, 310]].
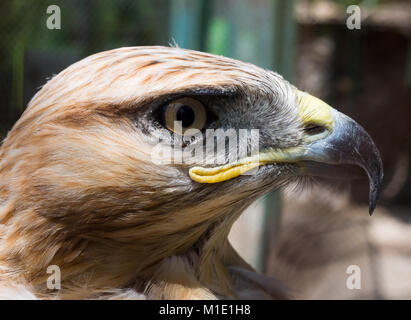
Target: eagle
[[92, 179]]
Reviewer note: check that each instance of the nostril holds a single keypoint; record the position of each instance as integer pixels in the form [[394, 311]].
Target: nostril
[[313, 129]]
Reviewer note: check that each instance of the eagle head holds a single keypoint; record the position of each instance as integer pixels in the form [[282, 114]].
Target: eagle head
[[128, 169]]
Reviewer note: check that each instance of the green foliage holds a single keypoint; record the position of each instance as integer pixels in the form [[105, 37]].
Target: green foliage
[[218, 36]]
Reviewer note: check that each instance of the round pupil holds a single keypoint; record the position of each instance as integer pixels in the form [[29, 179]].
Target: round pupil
[[186, 115]]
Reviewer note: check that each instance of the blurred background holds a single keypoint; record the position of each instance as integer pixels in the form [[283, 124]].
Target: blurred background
[[306, 238]]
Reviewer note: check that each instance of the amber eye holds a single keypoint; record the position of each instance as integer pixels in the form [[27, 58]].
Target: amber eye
[[187, 112]]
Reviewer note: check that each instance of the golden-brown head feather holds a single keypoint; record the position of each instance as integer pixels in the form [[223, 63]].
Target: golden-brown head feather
[[78, 188]]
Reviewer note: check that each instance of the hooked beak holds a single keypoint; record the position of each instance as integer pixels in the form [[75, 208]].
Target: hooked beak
[[339, 141], [347, 144]]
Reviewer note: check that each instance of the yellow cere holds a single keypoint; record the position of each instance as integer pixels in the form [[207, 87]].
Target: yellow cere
[[313, 110]]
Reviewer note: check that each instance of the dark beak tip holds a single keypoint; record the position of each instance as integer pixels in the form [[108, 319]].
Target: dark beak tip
[[373, 204], [375, 188], [372, 208]]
